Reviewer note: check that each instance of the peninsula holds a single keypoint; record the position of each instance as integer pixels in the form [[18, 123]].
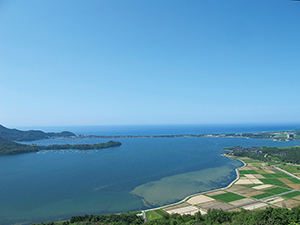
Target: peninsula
[[32, 135], [12, 148], [274, 135]]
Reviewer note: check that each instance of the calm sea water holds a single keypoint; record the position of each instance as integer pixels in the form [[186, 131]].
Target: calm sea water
[[168, 129], [142, 173]]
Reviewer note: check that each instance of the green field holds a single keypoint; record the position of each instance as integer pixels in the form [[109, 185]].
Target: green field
[[291, 195], [154, 215], [277, 190], [274, 182], [227, 197], [242, 172], [251, 161], [281, 175], [273, 163], [294, 180], [258, 165], [262, 195], [248, 185], [289, 168], [268, 176]]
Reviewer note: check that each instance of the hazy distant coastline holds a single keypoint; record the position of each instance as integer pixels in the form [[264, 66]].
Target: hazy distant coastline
[[275, 135]]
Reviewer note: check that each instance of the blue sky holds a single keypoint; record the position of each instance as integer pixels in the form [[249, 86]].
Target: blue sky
[[149, 62]]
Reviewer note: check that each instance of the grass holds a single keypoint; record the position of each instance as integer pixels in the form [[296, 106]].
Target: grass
[[289, 168], [227, 197], [275, 175], [277, 190], [273, 163], [248, 185], [262, 195], [154, 215], [291, 195], [281, 175], [242, 172], [263, 172], [270, 192], [268, 176], [83, 223], [274, 182], [258, 165], [294, 180], [251, 161]]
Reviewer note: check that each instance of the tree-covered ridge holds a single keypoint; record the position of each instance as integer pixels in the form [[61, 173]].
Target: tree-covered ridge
[[123, 218], [11, 148], [31, 135], [269, 216], [286, 154]]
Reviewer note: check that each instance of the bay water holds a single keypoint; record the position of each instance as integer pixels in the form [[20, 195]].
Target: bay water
[[140, 174]]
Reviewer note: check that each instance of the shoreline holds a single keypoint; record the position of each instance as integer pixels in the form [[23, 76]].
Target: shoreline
[[262, 202], [192, 195], [173, 136]]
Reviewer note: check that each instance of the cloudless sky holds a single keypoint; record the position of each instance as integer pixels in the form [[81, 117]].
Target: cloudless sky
[[116, 62]]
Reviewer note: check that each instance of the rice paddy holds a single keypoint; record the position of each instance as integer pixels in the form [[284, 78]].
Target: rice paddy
[[257, 181]]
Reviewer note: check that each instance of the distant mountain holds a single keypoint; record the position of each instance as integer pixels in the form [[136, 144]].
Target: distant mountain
[[31, 135]]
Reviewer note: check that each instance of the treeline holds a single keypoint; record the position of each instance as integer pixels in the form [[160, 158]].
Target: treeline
[[124, 218], [286, 155], [251, 155], [120, 219], [83, 146], [217, 216], [279, 216], [31, 135], [11, 148], [261, 135]]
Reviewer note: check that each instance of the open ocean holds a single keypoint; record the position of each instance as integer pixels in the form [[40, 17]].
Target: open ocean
[[140, 174], [167, 129]]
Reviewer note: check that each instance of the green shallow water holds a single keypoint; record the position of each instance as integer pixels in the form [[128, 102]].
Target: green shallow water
[[142, 173], [177, 187]]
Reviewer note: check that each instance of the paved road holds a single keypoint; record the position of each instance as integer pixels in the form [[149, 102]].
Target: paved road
[[286, 172], [144, 216]]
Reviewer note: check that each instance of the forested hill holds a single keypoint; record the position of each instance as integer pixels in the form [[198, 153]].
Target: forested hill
[[11, 148], [31, 135]]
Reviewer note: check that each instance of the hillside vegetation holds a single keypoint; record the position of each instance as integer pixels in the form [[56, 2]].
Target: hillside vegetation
[[267, 154], [269, 216], [31, 135], [11, 148]]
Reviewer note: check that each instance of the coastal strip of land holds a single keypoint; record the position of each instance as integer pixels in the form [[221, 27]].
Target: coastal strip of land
[[31, 135], [271, 190], [274, 135], [12, 148], [257, 186]]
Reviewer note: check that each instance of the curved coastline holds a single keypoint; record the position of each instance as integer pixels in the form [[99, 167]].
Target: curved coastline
[[192, 195]]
